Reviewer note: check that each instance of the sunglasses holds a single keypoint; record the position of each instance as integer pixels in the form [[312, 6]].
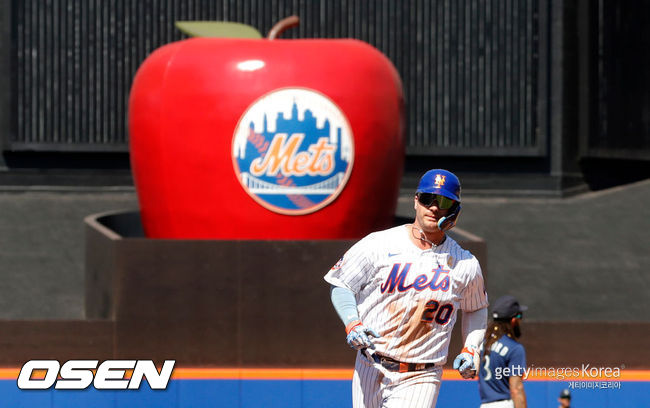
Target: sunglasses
[[442, 202]]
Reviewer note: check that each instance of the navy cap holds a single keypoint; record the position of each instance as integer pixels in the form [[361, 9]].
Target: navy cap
[[565, 393], [507, 307]]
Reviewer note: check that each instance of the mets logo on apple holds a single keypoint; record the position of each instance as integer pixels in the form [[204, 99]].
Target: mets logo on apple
[[293, 151]]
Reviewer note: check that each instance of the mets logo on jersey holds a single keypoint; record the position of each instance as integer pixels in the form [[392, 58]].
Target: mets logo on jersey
[[293, 151]]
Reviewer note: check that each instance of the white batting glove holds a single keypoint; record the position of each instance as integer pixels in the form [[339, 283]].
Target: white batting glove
[[467, 362], [359, 336]]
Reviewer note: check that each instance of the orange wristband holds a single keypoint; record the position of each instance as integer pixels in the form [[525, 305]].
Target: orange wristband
[[467, 350], [352, 325]]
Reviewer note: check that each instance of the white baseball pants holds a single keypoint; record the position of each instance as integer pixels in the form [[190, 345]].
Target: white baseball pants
[[375, 387]]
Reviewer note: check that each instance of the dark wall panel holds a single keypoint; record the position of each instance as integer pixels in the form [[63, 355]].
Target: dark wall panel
[[621, 38], [470, 76], [469, 67]]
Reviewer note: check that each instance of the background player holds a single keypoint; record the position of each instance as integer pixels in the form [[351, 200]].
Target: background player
[[503, 359], [398, 292], [564, 399]]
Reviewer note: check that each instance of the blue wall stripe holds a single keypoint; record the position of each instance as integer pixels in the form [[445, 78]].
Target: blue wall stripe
[[303, 394]]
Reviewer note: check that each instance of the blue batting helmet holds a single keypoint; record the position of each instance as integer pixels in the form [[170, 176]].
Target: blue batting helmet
[[441, 182], [445, 183]]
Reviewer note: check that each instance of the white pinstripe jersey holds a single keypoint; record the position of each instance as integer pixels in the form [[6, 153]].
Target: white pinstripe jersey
[[410, 296]]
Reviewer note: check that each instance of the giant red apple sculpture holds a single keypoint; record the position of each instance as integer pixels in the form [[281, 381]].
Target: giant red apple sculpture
[[266, 139]]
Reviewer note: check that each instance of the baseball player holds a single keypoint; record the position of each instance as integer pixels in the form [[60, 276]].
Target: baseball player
[[398, 292], [564, 399], [503, 359]]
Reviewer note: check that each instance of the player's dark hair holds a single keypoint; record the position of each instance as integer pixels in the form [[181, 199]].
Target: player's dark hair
[[496, 329]]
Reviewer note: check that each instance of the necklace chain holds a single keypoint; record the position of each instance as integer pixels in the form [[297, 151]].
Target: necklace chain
[[424, 238]]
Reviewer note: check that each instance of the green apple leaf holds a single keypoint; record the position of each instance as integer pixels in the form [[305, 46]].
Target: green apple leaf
[[218, 29]]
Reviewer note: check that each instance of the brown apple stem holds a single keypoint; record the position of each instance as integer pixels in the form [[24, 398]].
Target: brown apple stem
[[282, 25]]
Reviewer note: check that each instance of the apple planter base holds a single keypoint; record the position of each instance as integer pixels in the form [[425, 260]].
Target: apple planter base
[[218, 302]]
